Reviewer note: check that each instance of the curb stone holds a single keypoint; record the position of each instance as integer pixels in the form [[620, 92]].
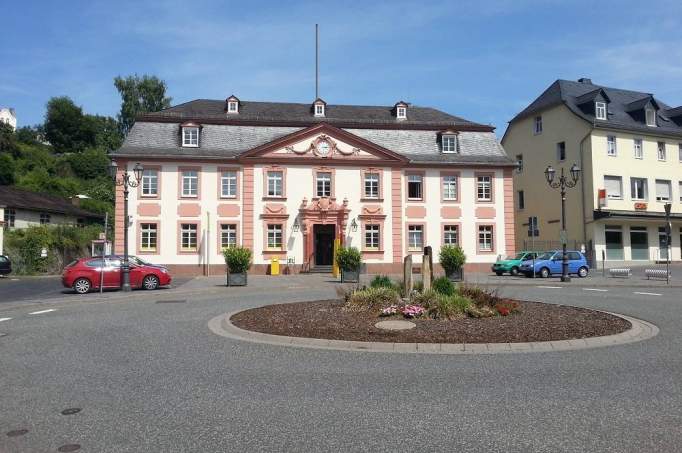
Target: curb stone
[[640, 331]]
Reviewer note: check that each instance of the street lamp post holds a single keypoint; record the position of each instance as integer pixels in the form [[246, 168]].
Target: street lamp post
[[562, 184], [127, 180]]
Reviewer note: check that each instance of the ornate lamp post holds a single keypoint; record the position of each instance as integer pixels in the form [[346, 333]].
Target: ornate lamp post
[[127, 180], [562, 184]]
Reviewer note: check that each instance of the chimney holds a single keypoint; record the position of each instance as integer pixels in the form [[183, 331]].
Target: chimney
[[585, 80]]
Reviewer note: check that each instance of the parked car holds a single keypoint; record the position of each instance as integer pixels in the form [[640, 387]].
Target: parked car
[[550, 263], [5, 265], [511, 264], [85, 274]]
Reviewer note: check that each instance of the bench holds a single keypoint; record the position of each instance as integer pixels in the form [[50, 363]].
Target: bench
[[621, 272], [656, 273]]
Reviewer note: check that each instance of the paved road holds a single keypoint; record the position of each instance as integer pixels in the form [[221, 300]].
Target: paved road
[[151, 377]]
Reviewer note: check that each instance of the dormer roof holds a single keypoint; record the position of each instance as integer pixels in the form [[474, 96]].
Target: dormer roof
[[642, 103], [593, 96]]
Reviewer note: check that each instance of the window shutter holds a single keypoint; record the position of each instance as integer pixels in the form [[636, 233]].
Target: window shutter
[[612, 186], [663, 189]]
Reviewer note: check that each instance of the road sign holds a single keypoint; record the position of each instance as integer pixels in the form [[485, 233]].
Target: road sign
[[563, 237]]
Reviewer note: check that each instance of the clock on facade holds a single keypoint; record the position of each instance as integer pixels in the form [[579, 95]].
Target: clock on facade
[[323, 148]]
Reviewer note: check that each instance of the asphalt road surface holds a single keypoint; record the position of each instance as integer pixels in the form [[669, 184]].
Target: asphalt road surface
[[151, 377]]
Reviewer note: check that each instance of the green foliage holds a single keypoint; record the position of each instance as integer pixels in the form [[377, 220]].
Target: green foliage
[[31, 135], [89, 164], [449, 307], [443, 285], [479, 296], [237, 259], [7, 169], [348, 259], [63, 244], [381, 281], [372, 299], [480, 312], [66, 128], [452, 258], [8, 141], [139, 95], [425, 298], [107, 132], [418, 286]]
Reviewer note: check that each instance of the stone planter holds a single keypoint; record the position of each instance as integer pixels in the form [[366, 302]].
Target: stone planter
[[455, 276], [350, 276], [236, 279]]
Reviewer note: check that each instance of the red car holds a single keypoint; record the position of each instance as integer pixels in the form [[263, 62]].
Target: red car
[[85, 274]]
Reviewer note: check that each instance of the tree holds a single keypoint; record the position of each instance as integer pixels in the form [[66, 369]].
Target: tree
[[139, 95], [66, 128], [7, 169], [8, 141], [107, 131], [89, 164]]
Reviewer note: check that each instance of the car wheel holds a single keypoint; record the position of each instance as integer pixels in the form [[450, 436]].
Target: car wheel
[[498, 273], [150, 282], [544, 272], [82, 285], [514, 271], [582, 272]]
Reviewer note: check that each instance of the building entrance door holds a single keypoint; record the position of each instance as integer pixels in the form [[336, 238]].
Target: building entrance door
[[614, 243], [639, 243], [324, 244]]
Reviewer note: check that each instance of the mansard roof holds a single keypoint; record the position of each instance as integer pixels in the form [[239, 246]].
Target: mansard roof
[[622, 104]]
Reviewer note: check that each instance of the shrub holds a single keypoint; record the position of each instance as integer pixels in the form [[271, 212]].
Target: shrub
[[479, 312], [443, 285], [412, 311], [479, 296], [449, 307], [427, 298], [372, 299], [381, 281], [418, 286], [452, 258], [238, 259], [348, 259], [507, 307]]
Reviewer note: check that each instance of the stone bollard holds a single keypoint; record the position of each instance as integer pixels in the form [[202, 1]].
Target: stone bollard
[[407, 275], [428, 251], [427, 273]]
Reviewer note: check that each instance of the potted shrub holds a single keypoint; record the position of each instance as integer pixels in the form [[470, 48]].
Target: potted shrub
[[452, 258], [238, 261], [349, 261]]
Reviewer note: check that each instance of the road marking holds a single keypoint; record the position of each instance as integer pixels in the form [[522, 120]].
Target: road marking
[[4, 319], [648, 294], [14, 279], [42, 311], [550, 287], [595, 289]]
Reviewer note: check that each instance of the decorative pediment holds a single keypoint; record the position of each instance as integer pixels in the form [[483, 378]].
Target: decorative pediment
[[322, 142], [274, 211], [372, 212]]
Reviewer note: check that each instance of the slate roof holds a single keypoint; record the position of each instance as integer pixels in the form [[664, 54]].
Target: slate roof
[[154, 139], [620, 108], [207, 110], [14, 197]]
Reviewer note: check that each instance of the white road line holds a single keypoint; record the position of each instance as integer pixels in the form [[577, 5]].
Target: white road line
[[4, 319], [42, 311], [595, 289], [647, 294], [550, 287]]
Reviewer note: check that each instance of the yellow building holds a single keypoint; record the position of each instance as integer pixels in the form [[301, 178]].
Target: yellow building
[[629, 147]]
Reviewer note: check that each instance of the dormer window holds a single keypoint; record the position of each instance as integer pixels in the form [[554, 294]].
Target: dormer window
[[232, 105], [651, 117], [319, 107], [400, 110], [449, 143], [600, 110], [190, 136]]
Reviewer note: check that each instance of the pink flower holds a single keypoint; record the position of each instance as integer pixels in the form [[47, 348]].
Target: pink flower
[[412, 311]]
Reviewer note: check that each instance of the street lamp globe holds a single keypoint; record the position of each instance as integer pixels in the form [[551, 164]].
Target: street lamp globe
[[549, 174], [138, 169], [113, 169], [575, 173]]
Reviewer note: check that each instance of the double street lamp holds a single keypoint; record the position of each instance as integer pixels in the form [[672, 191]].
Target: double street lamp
[[127, 180], [563, 183]]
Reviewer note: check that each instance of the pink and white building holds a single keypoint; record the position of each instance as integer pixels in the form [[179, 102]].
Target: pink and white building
[[287, 179]]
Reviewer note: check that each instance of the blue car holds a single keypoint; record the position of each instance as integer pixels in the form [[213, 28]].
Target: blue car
[[550, 263]]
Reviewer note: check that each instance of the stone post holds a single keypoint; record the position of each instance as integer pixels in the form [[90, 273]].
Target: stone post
[[407, 276], [428, 251], [426, 272]]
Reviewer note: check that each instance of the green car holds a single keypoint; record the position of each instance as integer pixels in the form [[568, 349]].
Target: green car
[[512, 263]]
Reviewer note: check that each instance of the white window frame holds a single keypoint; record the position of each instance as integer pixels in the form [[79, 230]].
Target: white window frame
[[600, 110], [275, 237], [190, 183], [189, 237], [371, 182], [190, 137], [275, 183], [448, 232], [661, 152], [228, 235], [372, 236], [670, 189], [323, 184], [537, 125], [450, 187], [449, 144], [485, 238], [645, 189], [45, 218], [611, 146], [558, 151], [149, 236], [638, 148], [10, 217], [415, 179], [401, 113], [415, 237], [228, 184], [484, 188], [150, 182], [619, 180], [650, 117], [319, 109], [232, 107]]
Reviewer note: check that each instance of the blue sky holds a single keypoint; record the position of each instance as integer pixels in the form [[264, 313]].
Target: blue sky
[[483, 60]]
